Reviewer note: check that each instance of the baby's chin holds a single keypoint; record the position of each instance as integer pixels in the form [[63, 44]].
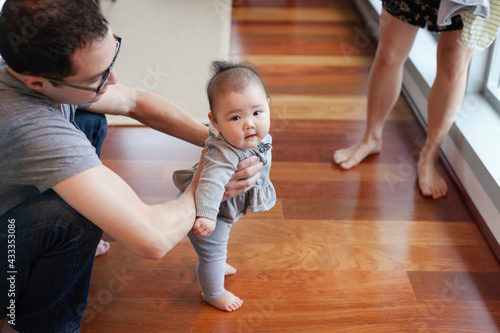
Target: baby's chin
[[245, 145]]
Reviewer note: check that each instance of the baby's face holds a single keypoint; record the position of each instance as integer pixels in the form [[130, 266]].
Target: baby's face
[[243, 118]]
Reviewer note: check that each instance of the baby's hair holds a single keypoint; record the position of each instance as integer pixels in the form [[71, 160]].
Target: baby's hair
[[231, 76]]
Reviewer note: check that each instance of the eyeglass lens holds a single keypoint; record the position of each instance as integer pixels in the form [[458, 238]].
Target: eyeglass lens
[[107, 74]]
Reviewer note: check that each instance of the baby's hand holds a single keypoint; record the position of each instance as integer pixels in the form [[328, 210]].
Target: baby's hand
[[203, 227]]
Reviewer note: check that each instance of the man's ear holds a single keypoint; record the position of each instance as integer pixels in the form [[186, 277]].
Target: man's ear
[[213, 120], [34, 82]]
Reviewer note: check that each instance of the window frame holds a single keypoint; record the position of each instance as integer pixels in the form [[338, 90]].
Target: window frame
[[491, 89]]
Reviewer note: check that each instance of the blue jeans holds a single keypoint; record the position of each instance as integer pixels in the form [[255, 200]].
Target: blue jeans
[[51, 248], [94, 126]]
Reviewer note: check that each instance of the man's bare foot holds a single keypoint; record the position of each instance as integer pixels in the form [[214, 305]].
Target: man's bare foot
[[429, 181], [6, 328], [229, 270], [351, 156], [227, 302], [102, 248]]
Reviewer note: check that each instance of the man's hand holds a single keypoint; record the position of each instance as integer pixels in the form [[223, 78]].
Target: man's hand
[[244, 178], [196, 177], [203, 227]]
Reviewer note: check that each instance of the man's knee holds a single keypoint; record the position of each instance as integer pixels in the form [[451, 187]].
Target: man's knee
[[71, 227], [48, 219]]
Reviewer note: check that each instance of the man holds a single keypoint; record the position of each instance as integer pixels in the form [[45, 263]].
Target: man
[[56, 197]]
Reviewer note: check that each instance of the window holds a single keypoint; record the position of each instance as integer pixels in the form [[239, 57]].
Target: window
[[492, 82]]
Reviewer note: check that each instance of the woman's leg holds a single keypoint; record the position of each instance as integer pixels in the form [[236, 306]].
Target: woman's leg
[[444, 101], [384, 87]]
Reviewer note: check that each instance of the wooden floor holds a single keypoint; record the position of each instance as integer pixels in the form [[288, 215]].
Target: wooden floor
[[342, 251]]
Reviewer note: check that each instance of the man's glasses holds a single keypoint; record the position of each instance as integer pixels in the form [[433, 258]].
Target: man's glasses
[[105, 76]]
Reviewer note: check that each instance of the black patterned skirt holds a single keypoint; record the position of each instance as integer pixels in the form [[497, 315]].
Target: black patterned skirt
[[420, 13]]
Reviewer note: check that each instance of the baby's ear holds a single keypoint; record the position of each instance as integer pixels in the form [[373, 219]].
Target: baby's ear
[[213, 120]]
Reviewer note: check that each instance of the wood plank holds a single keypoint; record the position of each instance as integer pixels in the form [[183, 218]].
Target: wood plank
[[259, 251], [342, 209], [290, 3], [307, 75], [401, 192], [252, 284], [261, 60], [452, 286], [361, 257], [342, 30], [347, 14], [254, 229], [295, 47], [159, 315], [329, 172], [329, 107], [141, 143]]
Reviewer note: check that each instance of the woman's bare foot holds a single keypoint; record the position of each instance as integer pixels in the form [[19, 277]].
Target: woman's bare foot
[[351, 156], [229, 270], [429, 181], [102, 248], [227, 302]]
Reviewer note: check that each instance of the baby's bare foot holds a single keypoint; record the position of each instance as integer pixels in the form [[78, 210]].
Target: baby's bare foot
[[229, 270], [227, 302], [351, 156]]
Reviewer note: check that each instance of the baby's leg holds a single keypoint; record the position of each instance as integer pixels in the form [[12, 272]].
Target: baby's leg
[[211, 269]]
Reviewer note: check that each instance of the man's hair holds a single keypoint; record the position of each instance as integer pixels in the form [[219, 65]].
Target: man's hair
[[40, 36], [231, 76]]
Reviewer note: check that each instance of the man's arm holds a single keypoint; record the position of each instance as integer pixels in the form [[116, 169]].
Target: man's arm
[[152, 110], [148, 231], [105, 199]]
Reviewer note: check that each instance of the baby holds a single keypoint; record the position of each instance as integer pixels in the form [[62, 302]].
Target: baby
[[240, 121]]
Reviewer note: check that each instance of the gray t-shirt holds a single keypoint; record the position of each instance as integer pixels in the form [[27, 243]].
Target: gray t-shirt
[[40, 145]]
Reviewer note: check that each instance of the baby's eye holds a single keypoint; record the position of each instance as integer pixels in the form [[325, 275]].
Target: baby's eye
[[256, 113], [235, 118]]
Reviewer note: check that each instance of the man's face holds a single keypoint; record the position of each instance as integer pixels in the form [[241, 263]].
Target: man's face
[[89, 65]]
